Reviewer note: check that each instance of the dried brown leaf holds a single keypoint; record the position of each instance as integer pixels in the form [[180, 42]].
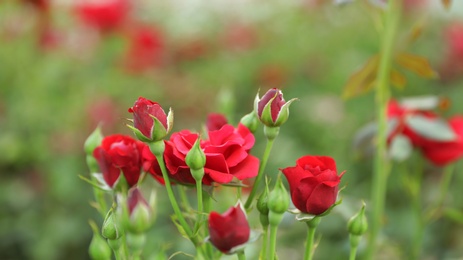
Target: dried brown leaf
[[362, 80], [398, 79], [416, 64]]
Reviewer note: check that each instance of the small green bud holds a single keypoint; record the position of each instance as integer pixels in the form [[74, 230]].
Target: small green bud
[[278, 201], [98, 248], [111, 228], [250, 121], [262, 202], [195, 158], [136, 242], [358, 224], [93, 141]]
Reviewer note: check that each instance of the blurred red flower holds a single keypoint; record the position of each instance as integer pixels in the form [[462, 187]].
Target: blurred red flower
[[145, 48], [313, 183], [239, 37], [104, 15], [442, 153], [399, 113]]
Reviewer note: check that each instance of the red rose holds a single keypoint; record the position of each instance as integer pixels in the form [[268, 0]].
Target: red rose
[[227, 156], [272, 109], [175, 152], [119, 153], [150, 122], [313, 183], [229, 230], [103, 15], [442, 153]]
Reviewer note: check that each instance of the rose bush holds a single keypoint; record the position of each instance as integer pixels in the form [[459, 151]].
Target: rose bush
[[313, 183]]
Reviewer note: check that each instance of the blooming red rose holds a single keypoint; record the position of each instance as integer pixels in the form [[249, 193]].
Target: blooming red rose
[[272, 109], [119, 153], [229, 230], [150, 122], [104, 14], [226, 151], [145, 49], [313, 183], [442, 153]]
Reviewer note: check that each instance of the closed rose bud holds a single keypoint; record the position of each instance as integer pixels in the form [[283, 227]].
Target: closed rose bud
[[229, 230], [262, 207], [111, 228], [196, 159], [358, 224], [272, 110], [278, 203], [98, 248], [140, 214], [313, 183], [150, 122], [250, 121]]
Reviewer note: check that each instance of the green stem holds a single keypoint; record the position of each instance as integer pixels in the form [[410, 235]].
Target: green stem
[[418, 210], [241, 255], [199, 195], [207, 201], [433, 213], [171, 196], [354, 241], [183, 197], [273, 241], [382, 167], [260, 174], [263, 251], [309, 244]]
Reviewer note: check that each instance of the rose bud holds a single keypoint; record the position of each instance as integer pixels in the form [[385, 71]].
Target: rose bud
[[98, 248], [119, 153], [150, 122], [229, 230], [358, 224], [140, 213], [111, 228], [278, 203], [313, 183], [272, 110]]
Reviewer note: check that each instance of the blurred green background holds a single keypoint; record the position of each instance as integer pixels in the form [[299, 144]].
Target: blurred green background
[[60, 76]]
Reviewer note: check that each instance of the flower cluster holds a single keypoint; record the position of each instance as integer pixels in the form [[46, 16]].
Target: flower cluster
[[219, 156]]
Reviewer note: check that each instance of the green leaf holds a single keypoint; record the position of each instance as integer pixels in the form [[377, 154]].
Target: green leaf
[[431, 128]]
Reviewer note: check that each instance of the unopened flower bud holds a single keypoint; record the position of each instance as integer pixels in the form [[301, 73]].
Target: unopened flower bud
[[250, 121], [98, 249], [358, 224], [150, 122], [278, 200], [195, 158], [272, 110], [111, 228], [262, 207], [278, 203], [140, 214]]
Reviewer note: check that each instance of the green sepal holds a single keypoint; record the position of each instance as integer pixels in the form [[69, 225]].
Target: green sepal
[[158, 132], [139, 134], [283, 115], [93, 141]]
